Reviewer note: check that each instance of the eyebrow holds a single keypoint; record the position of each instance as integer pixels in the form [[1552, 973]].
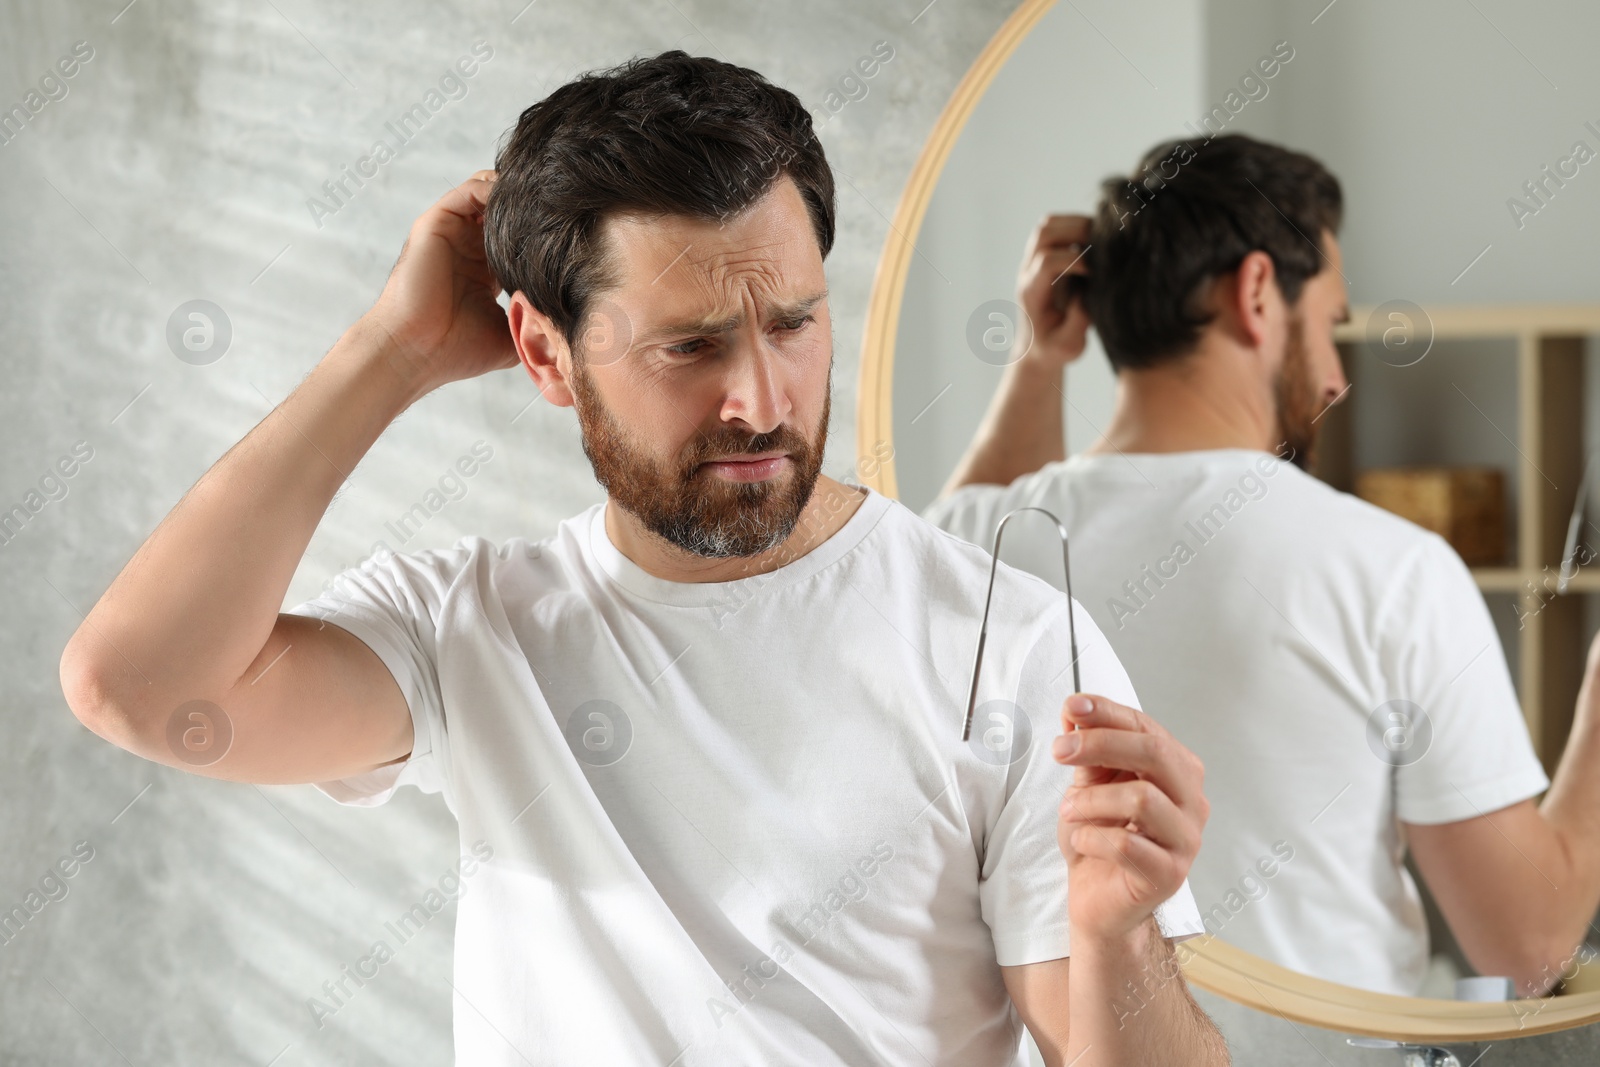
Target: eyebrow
[[704, 327]]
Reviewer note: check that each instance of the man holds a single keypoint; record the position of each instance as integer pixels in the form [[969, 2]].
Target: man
[[705, 739], [1334, 666]]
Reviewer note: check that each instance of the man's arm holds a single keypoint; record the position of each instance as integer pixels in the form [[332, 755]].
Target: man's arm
[[1519, 886], [1129, 827], [1023, 428], [1132, 988], [190, 631]]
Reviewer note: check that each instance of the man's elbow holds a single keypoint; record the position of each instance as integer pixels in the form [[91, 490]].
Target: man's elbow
[[1533, 962], [94, 704]]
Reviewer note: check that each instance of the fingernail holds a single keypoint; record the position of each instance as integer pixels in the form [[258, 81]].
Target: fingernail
[[1080, 705], [1068, 745]]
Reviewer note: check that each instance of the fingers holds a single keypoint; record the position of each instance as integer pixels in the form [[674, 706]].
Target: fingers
[[1100, 733], [457, 217], [1063, 236], [1087, 709], [1056, 230], [1154, 873], [469, 199], [1043, 281], [1136, 801], [464, 232], [1049, 266], [1135, 804], [1143, 755], [1062, 261]]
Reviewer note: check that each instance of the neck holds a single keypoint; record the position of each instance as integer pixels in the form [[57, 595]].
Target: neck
[[830, 506], [1213, 397]]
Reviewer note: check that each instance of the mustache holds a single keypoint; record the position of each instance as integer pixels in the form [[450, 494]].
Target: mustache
[[722, 445]]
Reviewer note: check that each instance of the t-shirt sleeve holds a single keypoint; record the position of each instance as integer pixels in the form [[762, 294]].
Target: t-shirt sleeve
[[1452, 726], [1023, 885], [972, 512], [393, 606]]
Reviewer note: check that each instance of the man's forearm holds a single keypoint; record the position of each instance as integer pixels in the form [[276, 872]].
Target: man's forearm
[[1572, 809], [194, 606], [1131, 1005], [1519, 884], [1573, 801], [1022, 430]]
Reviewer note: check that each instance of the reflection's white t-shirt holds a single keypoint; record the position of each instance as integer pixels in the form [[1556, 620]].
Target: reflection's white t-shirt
[[1269, 621], [734, 822]]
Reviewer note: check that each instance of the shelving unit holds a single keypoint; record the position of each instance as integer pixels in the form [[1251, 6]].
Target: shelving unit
[[1550, 342]]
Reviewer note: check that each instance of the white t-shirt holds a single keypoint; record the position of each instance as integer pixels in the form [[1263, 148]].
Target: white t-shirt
[[1270, 622], [734, 822]]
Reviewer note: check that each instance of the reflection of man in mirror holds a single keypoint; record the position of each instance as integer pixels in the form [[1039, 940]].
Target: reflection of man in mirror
[[1334, 666], [704, 739]]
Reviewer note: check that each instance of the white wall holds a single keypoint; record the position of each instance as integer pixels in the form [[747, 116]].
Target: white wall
[[1433, 113], [1090, 89]]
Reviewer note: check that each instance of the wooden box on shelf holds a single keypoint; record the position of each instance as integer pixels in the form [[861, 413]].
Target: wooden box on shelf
[[1464, 505]]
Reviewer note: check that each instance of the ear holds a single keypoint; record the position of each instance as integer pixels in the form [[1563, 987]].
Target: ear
[[542, 349], [1257, 303]]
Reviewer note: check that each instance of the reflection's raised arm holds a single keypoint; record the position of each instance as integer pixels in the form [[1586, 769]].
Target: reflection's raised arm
[[1023, 429]]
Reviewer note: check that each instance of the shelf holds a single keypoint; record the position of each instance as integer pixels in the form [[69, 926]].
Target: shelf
[[1466, 321], [1514, 580], [1498, 579], [1587, 581]]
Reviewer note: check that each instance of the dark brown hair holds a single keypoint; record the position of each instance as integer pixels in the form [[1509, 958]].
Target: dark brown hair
[[1191, 211], [672, 134]]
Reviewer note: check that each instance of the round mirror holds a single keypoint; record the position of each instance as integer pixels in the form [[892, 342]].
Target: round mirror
[[1062, 97]]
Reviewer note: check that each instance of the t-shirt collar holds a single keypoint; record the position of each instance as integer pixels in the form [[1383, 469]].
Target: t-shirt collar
[[635, 579], [1138, 465]]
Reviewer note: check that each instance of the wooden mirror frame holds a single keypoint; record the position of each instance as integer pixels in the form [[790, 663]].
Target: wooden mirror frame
[[1207, 961]]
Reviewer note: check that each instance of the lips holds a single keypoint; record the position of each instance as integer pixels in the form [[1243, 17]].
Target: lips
[[749, 468]]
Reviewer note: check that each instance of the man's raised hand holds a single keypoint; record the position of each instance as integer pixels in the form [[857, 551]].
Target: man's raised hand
[[1056, 329], [438, 316]]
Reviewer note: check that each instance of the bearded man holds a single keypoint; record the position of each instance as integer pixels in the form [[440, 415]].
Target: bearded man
[[705, 741], [1334, 666]]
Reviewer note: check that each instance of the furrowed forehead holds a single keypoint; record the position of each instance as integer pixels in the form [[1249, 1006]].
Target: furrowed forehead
[[679, 276], [710, 325]]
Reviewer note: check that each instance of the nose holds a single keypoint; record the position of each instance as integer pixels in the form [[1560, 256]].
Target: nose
[[755, 390], [1336, 384]]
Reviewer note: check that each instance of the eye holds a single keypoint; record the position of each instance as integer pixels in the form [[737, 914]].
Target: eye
[[694, 346]]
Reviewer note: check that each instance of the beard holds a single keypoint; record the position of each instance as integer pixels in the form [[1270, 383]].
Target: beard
[[1297, 399], [686, 504]]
